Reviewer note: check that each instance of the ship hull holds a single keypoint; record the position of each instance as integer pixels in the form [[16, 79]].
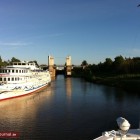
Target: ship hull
[[16, 94]]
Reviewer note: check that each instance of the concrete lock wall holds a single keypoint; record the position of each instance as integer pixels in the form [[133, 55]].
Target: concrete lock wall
[[52, 68], [68, 66]]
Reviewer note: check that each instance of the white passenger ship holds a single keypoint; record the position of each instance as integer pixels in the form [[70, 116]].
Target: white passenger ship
[[22, 78], [124, 133]]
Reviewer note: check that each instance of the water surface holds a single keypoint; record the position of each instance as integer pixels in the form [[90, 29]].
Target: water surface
[[69, 109]]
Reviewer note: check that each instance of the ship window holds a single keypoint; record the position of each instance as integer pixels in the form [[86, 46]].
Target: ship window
[[12, 71], [12, 79], [19, 71], [16, 71], [8, 79], [4, 79], [0, 79]]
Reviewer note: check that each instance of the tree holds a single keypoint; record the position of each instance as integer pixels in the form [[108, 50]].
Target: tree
[[34, 62], [15, 59], [84, 63], [5, 63], [107, 66], [136, 64], [0, 61], [108, 62], [118, 64], [119, 60]]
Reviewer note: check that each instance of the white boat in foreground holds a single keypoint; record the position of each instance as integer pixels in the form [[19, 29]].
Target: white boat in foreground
[[22, 78], [123, 134]]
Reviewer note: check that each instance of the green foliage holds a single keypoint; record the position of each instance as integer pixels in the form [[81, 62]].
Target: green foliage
[[34, 62], [119, 66], [0, 61], [15, 59], [77, 72], [122, 73], [5, 63], [84, 63], [119, 60], [108, 62]]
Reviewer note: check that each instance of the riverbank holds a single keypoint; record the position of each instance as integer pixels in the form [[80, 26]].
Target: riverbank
[[122, 73], [128, 82]]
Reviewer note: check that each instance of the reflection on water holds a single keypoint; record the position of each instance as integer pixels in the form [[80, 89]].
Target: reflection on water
[[69, 109], [20, 114], [68, 88]]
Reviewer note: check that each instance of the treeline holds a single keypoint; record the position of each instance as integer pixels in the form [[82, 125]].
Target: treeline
[[122, 72], [119, 66], [13, 59]]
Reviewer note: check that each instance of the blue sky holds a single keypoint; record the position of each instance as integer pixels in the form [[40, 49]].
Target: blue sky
[[90, 30]]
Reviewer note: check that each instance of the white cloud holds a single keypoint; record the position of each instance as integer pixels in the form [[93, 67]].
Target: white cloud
[[13, 44]]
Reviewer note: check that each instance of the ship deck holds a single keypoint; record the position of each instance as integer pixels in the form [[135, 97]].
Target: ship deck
[[132, 134]]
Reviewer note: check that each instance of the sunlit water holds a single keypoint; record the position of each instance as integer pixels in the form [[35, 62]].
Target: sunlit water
[[69, 109]]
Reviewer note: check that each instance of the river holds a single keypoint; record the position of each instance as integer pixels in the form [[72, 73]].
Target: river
[[69, 109]]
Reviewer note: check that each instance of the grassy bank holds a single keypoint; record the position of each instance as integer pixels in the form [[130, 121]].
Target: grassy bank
[[128, 82]]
